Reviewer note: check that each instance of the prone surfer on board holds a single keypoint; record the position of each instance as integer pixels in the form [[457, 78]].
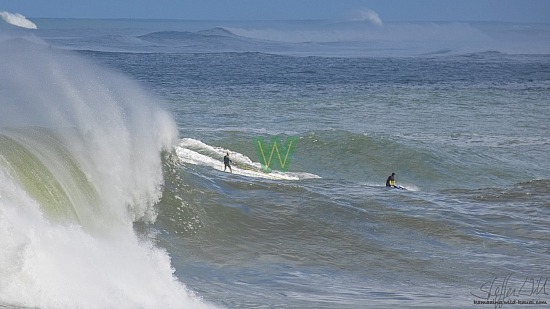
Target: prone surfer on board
[[226, 162]]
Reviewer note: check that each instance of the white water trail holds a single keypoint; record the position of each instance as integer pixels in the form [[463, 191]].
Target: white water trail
[[192, 151]]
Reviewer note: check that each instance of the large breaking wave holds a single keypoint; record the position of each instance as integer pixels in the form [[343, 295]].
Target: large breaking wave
[[80, 162]]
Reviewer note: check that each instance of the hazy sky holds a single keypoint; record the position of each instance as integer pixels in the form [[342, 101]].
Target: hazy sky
[[387, 10]]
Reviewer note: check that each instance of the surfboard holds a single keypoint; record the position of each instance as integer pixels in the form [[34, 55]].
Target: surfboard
[[397, 187]]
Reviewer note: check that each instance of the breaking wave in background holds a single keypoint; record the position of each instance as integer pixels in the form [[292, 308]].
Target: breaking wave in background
[[361, 36], [18, 20]]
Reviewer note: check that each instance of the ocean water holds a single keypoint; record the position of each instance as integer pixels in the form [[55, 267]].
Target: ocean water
[[113, 195]]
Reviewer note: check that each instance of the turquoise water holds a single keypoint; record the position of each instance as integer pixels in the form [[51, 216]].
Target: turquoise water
[[462, 122]]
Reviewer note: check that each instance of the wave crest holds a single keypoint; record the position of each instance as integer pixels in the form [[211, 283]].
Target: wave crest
[[18, 20], [80, 162]]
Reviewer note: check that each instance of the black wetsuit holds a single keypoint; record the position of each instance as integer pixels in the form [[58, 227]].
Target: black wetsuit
[[226, 161]]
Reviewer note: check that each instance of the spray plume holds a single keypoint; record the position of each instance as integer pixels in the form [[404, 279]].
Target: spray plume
[[18, 20]]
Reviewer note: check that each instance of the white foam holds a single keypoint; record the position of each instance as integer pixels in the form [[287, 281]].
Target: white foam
[[18, 20], [192, 151], [49, 265]]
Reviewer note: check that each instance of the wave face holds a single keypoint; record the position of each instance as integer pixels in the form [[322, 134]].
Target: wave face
[[80, 162]]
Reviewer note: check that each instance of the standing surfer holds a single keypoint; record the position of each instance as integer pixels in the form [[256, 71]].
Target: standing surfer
[[226, 162]]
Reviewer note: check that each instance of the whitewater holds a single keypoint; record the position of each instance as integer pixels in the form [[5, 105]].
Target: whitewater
[[112, 185], [80, 153]]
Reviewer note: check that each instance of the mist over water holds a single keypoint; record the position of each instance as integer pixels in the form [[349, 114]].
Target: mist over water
[[357, 37]]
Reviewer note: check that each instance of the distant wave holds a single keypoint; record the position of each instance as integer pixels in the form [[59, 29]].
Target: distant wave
[[18, 20], [368, 15], [182, 36], [210, 40], [356, 37], [217, 31]]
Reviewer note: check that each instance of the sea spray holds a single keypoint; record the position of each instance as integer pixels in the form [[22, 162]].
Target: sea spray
[[102, 119], [367, 15], [80, 163], [18, 20]]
